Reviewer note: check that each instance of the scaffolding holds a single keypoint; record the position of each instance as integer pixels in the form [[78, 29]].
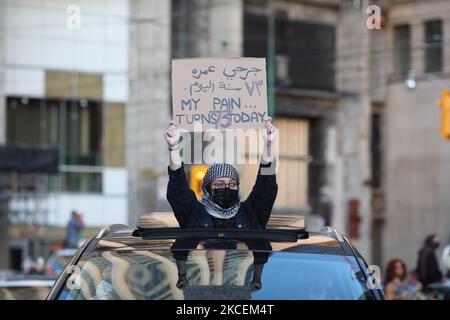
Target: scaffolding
[[27, 198], [24, 185]]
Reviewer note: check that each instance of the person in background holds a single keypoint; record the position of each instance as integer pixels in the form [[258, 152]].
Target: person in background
[[36, 267], [39, 265], [427, 264], [445, 259], [74, 229], [396, 286]]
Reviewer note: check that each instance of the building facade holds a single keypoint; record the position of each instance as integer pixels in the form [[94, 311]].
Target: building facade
[[64, 83], [417, 158]]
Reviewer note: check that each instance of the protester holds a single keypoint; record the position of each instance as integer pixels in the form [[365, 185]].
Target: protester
[[221, 205], [74, 230], [396, 285], [427, 263]]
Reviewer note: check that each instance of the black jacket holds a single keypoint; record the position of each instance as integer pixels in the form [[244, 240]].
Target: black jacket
[[428, 267], [254, 212]]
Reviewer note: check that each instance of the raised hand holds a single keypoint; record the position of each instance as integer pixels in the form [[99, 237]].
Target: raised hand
[[172, 134], [271, 132]]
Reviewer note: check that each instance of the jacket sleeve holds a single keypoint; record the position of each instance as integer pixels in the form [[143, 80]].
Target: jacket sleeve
[[262, 197], [181, 198]]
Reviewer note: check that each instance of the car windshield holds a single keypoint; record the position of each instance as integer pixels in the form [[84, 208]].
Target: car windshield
[[24, 293], [214, 274]]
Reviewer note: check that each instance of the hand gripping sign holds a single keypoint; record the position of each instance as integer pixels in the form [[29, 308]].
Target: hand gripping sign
[[219, 93]]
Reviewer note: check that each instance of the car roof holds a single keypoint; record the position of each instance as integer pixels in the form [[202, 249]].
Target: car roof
[[124, 240], [121, 237]]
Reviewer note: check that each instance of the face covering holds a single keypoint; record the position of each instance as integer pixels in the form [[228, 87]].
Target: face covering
[[225, 197]]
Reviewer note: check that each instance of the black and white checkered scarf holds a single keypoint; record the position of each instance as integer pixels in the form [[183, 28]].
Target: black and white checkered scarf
[[214, 172]]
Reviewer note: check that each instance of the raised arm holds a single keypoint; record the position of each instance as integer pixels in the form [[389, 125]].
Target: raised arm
[[172, 136], [181, 198], [270, 136], [264, 192]]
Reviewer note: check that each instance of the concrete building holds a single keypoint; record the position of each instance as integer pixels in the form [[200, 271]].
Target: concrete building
[[64, 80], [147, 114], [417, 158]]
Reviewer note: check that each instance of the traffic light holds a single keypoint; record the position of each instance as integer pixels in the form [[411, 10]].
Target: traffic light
[[196, 178], [444, 104]]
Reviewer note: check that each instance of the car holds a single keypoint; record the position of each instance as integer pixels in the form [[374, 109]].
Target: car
[[157, 260], [58, 260], [25, 287]]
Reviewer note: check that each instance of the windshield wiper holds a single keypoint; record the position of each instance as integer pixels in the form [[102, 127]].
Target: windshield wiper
[[273, 235]]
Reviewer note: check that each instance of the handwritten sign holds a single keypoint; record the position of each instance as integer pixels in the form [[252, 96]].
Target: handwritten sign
[[219, 93]]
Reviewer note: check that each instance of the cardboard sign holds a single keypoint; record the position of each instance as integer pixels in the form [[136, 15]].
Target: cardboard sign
[[219, 93]]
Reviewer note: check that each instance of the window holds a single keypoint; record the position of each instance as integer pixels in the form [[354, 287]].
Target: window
[[114, 134], [312, 55], [305, 50], [152, 276], [317, 167], [72, 117], [74, 126], [433, 46], [292, 193], [402, 50]]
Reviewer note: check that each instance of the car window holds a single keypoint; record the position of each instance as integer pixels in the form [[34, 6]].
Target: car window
[[59, 262], [214, 274]]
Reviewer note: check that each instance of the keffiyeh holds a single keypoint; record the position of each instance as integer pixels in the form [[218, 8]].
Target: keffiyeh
[[214, 172]]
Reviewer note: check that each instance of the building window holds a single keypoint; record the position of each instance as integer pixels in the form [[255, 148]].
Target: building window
[[114, 134], [292, 194], [305, 52], [433, 46], [86, 182], [73, 126], [317, 167], [402, 50]]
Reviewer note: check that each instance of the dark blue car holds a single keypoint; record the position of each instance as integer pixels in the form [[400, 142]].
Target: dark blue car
[[154, 262]]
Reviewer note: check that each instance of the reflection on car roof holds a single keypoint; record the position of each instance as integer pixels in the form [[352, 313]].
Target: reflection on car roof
[[121, 237]]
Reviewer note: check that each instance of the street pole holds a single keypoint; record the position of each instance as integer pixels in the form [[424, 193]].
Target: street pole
[[271, 58], [182, 29]]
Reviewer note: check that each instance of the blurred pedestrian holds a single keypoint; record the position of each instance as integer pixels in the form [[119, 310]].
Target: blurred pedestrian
[[39, 266], [33, 267], [427, 264], [74, 230], [396, 286], [28, 265], [445, 259]]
